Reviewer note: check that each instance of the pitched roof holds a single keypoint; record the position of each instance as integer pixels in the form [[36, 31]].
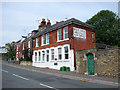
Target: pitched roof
[[62, 24]]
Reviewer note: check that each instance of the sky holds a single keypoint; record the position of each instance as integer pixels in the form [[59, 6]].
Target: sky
[[20, 18]]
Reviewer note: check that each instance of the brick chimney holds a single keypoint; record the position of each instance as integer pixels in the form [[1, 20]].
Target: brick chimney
[[48, 23], [42, 25]]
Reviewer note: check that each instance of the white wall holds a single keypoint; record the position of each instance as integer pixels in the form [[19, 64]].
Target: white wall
[[69, 62]]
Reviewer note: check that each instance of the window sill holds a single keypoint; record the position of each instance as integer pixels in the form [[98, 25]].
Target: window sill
[[45, 44], [63, 40]]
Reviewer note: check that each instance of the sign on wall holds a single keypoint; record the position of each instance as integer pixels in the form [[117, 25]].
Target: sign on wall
[[79, 33]]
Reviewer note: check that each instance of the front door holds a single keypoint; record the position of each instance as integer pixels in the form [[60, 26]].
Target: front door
[[90, 59]]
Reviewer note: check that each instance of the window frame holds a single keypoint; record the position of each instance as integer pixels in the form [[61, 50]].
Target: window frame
[[28, 44], [66, 53], [43, 39], [23, 46], [64, 33], [47, 38], [39, 55], [47, 54], [59, 53], [43, 54], [59, 34], [35, 56], [52, 54], [37, 42]]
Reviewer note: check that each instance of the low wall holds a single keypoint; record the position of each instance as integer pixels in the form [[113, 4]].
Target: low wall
[[26, 63], [105, 62]]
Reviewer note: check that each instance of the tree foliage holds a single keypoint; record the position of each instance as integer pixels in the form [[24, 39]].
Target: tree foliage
[[107, 27], [11, 51]]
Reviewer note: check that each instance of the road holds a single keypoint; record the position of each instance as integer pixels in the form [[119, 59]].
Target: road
[[19, 78]]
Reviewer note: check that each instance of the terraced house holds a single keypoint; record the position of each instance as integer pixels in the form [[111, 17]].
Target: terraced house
[[24, 48], [55, 45]]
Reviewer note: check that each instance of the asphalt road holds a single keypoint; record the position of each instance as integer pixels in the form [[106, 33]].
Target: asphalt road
[[18, 78]]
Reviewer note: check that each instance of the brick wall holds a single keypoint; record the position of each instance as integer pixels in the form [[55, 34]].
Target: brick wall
[[106, 62]]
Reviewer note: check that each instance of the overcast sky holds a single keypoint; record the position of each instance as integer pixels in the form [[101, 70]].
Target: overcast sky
[[21, 18]]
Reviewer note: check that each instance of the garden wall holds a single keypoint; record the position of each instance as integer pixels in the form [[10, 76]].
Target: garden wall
[[106, 62]]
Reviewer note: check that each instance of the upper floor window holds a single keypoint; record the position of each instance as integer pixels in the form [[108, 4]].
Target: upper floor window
[[43, 39], [66, 52], [65, 31], [47, 38], [28, 44], [17, 47], [37, 42], [23, 46], [92, 37], [59, 53], [59, 34], [52, 54]]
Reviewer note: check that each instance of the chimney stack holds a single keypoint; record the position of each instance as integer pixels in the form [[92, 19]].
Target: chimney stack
[[42, 25], [56, 22], [48, 23]]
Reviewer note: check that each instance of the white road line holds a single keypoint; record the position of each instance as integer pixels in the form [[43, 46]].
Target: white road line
[[4, 70], [20, 77], [46, 86]]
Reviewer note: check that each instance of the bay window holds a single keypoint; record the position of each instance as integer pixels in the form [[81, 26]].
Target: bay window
[[35, 56], [52, 54], [39, 58], [47, 55], [66, 52], [59, 53], [43, 55]]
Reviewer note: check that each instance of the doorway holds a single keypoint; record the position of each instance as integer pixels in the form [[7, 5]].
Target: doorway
[[90, 60]]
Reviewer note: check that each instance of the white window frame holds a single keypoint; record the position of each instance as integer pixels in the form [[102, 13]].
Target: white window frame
[[58, 34], [64, 33], [42, 55], [28, 44], [17, 47], [36, 56], [23, 46], [39, 56], [64, 51], [47, 54], [60, 53], [52, 54], [47, 38], [93, 37], [37, 42], [43, 40]]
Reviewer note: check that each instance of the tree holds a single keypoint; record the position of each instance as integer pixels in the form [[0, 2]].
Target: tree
[[11, 51], [107, 27]]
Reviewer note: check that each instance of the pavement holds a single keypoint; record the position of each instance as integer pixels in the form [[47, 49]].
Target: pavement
[[68, 74]]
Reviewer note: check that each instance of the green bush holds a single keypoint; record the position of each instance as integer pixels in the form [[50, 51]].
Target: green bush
[[64, 68]]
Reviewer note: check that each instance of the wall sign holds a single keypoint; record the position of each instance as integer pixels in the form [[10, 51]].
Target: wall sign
[[79, 33]]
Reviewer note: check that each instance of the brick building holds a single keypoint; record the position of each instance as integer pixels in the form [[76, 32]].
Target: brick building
[[55, 45], [25, 45]]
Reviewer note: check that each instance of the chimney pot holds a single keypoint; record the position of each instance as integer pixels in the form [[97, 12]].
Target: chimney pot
[[43, 19]]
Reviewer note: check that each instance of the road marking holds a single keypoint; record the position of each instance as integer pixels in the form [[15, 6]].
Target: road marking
[[48, 86], [4, 70], [20, 77]]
